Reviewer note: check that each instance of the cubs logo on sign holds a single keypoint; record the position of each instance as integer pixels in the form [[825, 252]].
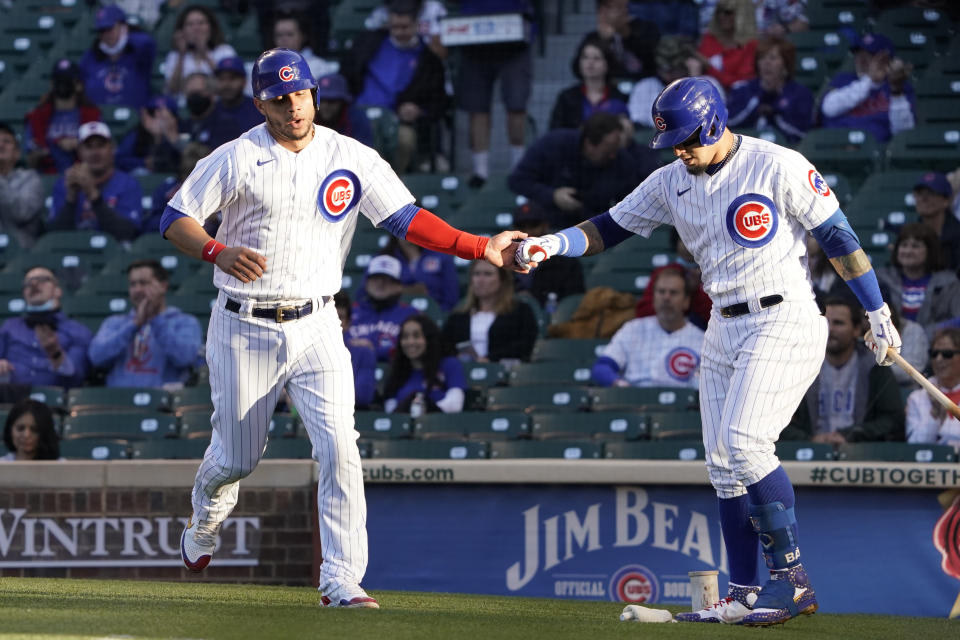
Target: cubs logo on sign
[[817, 183], [681, 363], [338, 193], [752, 220], [660, 123], [635, 584], [286, 73]]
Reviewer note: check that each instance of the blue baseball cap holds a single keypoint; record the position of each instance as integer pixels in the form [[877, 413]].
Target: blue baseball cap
[[936, 182], [874, 43], [232, 64], [333, 87], [108, 16]]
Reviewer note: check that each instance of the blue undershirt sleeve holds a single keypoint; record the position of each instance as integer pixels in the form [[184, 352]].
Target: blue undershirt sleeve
[[611, 233], [399, 221], [835, 236], [167, 218]]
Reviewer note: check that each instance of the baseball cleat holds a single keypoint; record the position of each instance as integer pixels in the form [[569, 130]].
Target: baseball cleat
[[349, 597], [196, 555], [730, 609], [786, 595]]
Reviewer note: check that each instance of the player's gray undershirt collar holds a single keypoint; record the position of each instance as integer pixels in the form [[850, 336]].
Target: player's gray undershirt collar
[[714, 168]]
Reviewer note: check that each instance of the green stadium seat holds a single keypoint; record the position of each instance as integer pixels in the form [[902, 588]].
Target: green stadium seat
[[283, 425], [427, 306], [128, 425], [558, 449], [674, 425], [840, 186], [114, 285], [195, 424], [483, 374], [934, 84], [896, 452], [191, 399], [95, 449], [19, 51], [658, 399], [12, 304], [53, 397], [435, 449], [538, 398], [828, 46], [439, 425], [292, 448], [930, 147], [169, 449], [178, 266], [198, 282], [566, 307], [436, 190], [550, 373], [635, 283], [96, 244], [770, 135], [93, 310], [572, 350], [9, 247], [494, 425], [196, 304], [914, 45], [853, 152], [100, 399], [605, 425], [804, 451], [376, 424], [939, 111], [824, 16], [640, 260], [72, 270], [660, 450], [928, 21]]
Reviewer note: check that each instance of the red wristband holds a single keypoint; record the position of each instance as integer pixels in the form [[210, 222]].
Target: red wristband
[[211, 250]]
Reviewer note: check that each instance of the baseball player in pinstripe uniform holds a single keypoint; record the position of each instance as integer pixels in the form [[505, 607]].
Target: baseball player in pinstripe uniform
[[290, 194], [742, 206]]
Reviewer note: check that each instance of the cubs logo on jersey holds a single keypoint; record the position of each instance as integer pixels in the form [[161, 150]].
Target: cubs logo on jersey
[[338, 193], [681, 363], [752, 220], [817, 183]]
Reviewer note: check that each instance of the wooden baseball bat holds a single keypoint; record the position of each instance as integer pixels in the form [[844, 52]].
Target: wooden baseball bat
[[931, 388]]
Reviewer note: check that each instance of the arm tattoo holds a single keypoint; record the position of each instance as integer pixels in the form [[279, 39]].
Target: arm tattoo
[[594, 241], [853, 265]]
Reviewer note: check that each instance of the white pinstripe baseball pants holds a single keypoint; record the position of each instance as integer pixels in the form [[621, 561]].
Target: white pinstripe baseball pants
[[754, 371], [251, 360]]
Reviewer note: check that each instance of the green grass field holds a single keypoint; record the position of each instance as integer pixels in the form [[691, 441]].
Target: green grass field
[[46, 608]]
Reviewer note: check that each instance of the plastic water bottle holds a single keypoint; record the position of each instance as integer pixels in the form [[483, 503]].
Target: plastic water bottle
[[418, 406], [550, 306]]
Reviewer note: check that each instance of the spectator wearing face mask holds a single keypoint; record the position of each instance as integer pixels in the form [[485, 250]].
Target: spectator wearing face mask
[[118, 65], [51, 135], [201, 101]]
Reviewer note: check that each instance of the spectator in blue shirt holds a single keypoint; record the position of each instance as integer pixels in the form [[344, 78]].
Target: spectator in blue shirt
[[419, 367], [152, 345], [594, 92], [93, 194], [154, 143], [43, 346], [192, 154], [119, 64], [335, 110], [200, 120], [426, 272], [378, 311], [234, 113], [772, 100], [876, 96], [363, 355]]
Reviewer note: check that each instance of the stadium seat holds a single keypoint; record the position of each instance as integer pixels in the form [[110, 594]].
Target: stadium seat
[[19, 51], [426, 305], [853, 152], [629, 282], [115, 285], [9, 247], [607, 425], [169, 449], [436, 192], [191, 399], [12, 304], [294, 448], [840, 186], [196, 304], [537, 398], [643, 399], [659, 450], [71, 269], [101, 399], [494, 425], [439, 425], [938, 111], [674, 425], [830, 47], [929, 147], [927, 20], [95, 449], [53, 397], [571, 350], [376, 424], [178, 266], [824, 16], [99, 246], [770, 135], [195, 424], [896, 452], [283, 425], [549, 373], [198, 282], [93, 310], [483, 374], [436, 449], [804, 451], [559, 449], [128, 425], [641, 259]]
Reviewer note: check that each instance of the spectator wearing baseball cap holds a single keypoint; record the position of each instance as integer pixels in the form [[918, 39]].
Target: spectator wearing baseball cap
[[93, 194], [932, 195], [876, 96], [378, 311], [426, 272], [119, 63], [559, 275], [233, 112], [21, 194], [335, 110], [51, 134]]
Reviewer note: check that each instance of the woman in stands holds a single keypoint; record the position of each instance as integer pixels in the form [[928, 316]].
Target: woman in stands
[[927, 421], [491, 324], [594, 92], [29, 434], [420, 374], [198, 45], [730, 43]]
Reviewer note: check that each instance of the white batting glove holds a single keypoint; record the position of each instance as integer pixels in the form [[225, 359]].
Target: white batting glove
[[883, 335], [538, 249]]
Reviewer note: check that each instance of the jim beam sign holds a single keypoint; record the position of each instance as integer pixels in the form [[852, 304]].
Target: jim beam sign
[[131, 541]]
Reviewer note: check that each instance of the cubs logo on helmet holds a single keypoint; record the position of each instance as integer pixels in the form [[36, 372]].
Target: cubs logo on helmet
[[286, 73], [660, 123], [681, 363], [817, 183], [634, 583], [752, 220], [338, 193]]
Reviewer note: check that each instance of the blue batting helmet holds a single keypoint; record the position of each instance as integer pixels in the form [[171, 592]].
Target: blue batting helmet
[[684, 106], [278, 72]]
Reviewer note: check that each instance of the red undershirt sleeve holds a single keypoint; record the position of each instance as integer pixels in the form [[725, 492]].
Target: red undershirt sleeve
[[431, 232]]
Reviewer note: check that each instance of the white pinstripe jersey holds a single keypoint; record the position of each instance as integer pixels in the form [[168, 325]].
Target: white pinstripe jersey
[[745, 225], [650, 356], [299, 210]]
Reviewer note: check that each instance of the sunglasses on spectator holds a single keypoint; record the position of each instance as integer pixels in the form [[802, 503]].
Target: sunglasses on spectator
[[945, 353]]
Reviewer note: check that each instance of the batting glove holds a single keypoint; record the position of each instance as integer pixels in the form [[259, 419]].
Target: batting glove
[[538, 249], [883, 335]]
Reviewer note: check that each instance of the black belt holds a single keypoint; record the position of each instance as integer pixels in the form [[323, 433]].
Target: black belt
[[278, 314], [742, 308]]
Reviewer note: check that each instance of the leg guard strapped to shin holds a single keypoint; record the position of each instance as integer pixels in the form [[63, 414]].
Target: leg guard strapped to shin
[[776, 527]]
